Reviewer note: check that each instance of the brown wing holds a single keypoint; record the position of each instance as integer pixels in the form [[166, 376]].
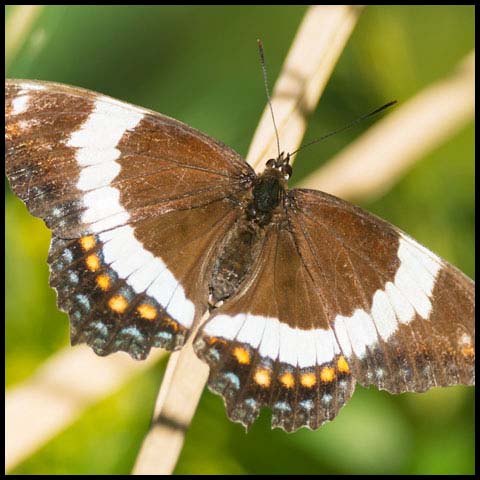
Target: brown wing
[[135, 200], [337, 296], [403, 317], [271, 344]]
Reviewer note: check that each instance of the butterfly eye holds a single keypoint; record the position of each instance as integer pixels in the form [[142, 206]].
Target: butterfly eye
[[287, 170]]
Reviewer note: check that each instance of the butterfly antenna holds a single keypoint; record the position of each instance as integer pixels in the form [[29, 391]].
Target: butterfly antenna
[[265, 81], [346, 127]]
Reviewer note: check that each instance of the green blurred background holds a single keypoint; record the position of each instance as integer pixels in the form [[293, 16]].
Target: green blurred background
[[200, 65]]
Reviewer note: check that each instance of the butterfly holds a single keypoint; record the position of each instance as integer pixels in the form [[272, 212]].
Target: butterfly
[[154, 224]]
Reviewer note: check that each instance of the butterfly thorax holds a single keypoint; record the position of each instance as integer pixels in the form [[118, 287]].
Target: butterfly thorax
[[268, 193], [241, 247]]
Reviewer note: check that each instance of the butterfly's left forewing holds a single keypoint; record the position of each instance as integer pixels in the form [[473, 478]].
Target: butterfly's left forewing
[[136, 201], [405, 318]]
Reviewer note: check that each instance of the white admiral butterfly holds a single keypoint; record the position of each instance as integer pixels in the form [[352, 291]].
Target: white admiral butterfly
[[155, 223]]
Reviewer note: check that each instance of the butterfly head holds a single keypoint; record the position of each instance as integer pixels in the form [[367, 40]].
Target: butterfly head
[[281, 164]]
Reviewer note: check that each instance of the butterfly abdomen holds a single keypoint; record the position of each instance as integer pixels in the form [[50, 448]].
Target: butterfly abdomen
[[236, 257]]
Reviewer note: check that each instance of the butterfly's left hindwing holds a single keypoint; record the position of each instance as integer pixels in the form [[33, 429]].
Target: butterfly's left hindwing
[[337, 296], [136, 202], [271, 344]]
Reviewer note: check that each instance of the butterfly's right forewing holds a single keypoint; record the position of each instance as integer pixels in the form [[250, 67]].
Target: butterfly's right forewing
[[137, 203]]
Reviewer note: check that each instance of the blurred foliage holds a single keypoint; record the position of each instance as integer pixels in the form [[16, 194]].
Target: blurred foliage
[[200, 65]]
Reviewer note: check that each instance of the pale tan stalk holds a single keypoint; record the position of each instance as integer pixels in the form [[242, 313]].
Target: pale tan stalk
[[180, 392], [313, 55], [59, 392], [18, 27], [370, 165]]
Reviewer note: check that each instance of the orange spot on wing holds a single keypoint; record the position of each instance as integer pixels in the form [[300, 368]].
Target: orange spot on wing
[[93, 262], [308, 380], [467, 348], [12, 130], [262, 377], [468, 351], [287, 380], [241, 355], [103, 281], [327, 374], [147, 311], [342, 365], [118, 303], [214, 340], [171, 323], [87, 243]]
